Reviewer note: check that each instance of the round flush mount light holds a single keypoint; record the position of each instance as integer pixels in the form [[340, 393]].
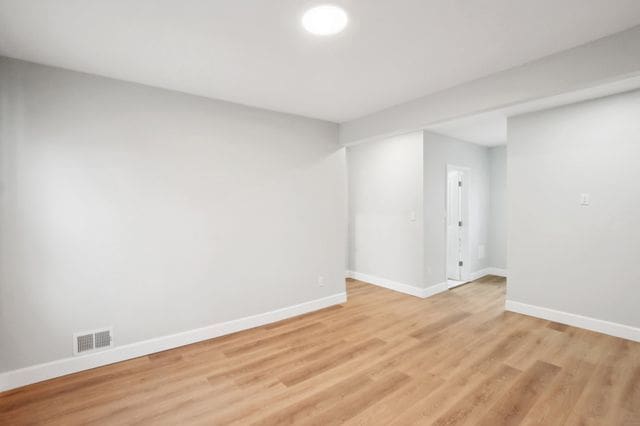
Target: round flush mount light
[[325, 20]]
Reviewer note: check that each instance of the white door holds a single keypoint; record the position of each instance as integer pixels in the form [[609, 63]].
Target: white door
[[454, 224]]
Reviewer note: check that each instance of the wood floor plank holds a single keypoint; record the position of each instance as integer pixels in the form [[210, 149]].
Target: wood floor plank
[[435, 327], [630, 399], [389, 408], [604, 400], [434, 405], [521, 396], [554, 407], [301, 411], [476, 400], [306, 371], [357, 401], [382, 358]]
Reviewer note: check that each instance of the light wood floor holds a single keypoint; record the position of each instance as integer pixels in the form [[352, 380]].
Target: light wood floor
[[383, 358]]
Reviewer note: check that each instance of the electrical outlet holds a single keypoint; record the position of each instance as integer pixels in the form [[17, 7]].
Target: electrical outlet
[[321, 281], [585, 199]]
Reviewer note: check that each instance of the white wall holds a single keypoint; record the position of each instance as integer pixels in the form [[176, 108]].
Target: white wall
[[385, 189], [155, 212], [498, 207], [391, 178], [439, 151], [564, 256]]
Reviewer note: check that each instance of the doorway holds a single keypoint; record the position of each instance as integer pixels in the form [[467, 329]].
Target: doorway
[[456, 206]]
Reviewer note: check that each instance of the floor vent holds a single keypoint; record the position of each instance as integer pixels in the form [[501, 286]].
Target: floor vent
[[91, 341]]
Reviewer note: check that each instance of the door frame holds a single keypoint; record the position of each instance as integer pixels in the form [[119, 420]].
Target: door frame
[[466, 171]]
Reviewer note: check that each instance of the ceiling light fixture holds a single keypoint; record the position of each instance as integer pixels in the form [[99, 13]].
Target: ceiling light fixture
[[325, 20]]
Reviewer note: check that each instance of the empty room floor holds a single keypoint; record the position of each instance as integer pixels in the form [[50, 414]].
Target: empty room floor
[[382, 358]]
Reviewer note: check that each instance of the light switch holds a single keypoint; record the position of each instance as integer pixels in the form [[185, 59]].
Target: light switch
[[585, 199], [412, 216]]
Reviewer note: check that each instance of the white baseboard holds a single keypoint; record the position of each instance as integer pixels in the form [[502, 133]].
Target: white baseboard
[[401, 287], [487, 271], [40, 372], [455, 283], [499, 272], [434, 289], [593, 324]]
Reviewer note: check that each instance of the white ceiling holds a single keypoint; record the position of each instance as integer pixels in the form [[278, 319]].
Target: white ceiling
[[490, 128], [255, 52]]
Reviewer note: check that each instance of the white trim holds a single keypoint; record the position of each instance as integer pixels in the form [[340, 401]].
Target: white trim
[[455, 283], [478, 274], [49, 370], [487, 271], [434, 289], [499, 272], [593, 324], [401, 287]]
